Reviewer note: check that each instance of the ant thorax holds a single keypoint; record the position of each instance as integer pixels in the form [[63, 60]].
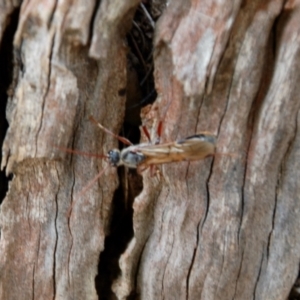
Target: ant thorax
[[128, 157]]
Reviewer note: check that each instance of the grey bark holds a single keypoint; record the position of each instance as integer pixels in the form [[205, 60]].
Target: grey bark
[[222, 228]]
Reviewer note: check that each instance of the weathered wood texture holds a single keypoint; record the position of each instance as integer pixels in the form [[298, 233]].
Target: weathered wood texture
[[222, 228], [51, 237]]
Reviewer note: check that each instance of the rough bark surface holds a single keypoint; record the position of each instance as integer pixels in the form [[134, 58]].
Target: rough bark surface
[[51, 235], [226, 227]]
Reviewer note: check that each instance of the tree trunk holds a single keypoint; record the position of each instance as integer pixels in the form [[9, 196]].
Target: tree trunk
[[225, 227]]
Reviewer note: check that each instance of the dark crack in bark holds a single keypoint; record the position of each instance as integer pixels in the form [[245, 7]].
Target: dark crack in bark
[[258, 276], [56, 232], [6, 90], [45, 94]]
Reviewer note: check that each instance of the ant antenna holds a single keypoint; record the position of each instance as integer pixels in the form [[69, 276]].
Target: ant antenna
[[120, 138]]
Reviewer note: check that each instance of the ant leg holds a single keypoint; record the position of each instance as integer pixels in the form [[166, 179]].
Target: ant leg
[[153, 169], [91, 182], [159, 131], [146, 132], [85, 188], [140, 169], [120, 138]]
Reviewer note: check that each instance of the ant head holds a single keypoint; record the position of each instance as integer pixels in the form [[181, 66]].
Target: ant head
[[114, 157]]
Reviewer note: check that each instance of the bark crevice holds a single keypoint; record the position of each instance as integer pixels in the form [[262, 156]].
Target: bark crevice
[[56, 232], [120, 233], [33, 274], [48, 84], [6, 89], [258, 275], [192, 261]]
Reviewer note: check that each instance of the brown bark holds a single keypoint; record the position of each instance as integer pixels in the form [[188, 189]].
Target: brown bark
[[222, 228]]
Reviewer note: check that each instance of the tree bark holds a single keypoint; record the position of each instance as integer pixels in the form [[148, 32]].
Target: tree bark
[[222, 228]]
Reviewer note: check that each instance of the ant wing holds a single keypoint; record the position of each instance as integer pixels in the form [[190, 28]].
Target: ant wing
[[195, 147], [198, 146]]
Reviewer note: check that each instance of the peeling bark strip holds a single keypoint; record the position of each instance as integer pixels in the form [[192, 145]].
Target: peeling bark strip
[[222, 228]]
